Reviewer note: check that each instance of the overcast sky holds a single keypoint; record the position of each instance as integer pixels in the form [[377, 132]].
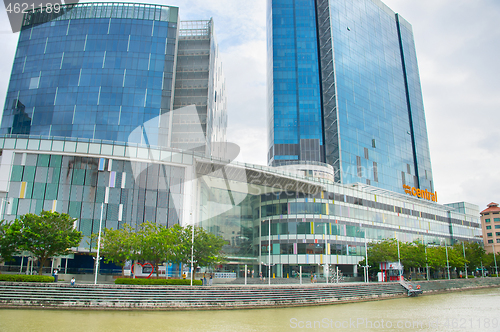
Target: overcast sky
[[458, 47]]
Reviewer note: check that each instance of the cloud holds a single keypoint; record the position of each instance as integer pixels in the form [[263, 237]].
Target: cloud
[[252, 139]]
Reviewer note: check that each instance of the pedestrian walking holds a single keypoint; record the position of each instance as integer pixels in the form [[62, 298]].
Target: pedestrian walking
[[210, 280]]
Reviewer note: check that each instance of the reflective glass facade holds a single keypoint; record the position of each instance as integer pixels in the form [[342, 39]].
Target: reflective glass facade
[[95, 71], [103, 99], [370, 109], [310, 221], [313, 221], [295, 125], [76, 178]]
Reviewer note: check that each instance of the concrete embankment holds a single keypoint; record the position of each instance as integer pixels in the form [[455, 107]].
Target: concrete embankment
[[439, 286], [124, 297]]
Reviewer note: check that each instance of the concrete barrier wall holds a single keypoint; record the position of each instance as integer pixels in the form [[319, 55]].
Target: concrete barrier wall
[[105, 296], [457, 284]]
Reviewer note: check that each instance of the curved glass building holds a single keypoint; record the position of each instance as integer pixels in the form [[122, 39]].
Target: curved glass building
[[100, 70], [93, 71], [96, 80]]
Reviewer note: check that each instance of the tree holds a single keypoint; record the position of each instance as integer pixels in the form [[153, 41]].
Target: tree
[[156, 243], [436, 257], [489, 262], [474, 253], [417, 255], [412, 254], [383, 251], [9, 240], [47, 235], [456, 258], [180, 242], [207, 249], [117, 246]]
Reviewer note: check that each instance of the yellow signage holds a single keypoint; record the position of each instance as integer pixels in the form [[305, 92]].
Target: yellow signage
[[420, 193]]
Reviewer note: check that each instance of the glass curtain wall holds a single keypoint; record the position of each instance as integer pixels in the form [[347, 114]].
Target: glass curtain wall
[[94, 71], [295, 118]]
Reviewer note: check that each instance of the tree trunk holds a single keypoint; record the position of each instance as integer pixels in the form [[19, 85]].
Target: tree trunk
[[41, 261], [157, 262]]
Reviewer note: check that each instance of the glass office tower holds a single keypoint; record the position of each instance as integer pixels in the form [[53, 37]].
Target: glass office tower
[[107, 71], [344, 89], [93, 71]]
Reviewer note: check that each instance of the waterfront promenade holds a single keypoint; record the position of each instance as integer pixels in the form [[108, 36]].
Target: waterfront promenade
[[127, 297]]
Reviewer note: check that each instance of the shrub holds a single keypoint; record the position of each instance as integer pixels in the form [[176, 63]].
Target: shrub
[[25, 278], [140, 281]]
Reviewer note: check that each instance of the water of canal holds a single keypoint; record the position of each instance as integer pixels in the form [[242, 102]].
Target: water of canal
[[473, 310]]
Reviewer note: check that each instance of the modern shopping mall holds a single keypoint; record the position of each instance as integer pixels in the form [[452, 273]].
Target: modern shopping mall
[[123, 106], [287, 216]]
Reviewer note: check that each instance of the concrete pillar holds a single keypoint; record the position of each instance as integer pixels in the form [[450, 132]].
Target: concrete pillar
[[355, 270]]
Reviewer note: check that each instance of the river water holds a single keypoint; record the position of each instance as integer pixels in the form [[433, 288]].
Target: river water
[[473, 310]]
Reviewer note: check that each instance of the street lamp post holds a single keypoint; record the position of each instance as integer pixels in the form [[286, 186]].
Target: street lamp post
[[300, 274], [98, 247], [463, 248], [495, 257], [192, 248], [326, 269], [260, 248], [269, 250], [447, 261], [399, 260], [366, 261], [426, 263]]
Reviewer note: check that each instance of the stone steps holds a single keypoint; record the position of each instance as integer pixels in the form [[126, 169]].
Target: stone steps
[[63, 295], [444, 285]]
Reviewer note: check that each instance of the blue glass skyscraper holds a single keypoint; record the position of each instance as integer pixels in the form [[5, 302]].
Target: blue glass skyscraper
[[92, 71], [111, 71], [344, 89]]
